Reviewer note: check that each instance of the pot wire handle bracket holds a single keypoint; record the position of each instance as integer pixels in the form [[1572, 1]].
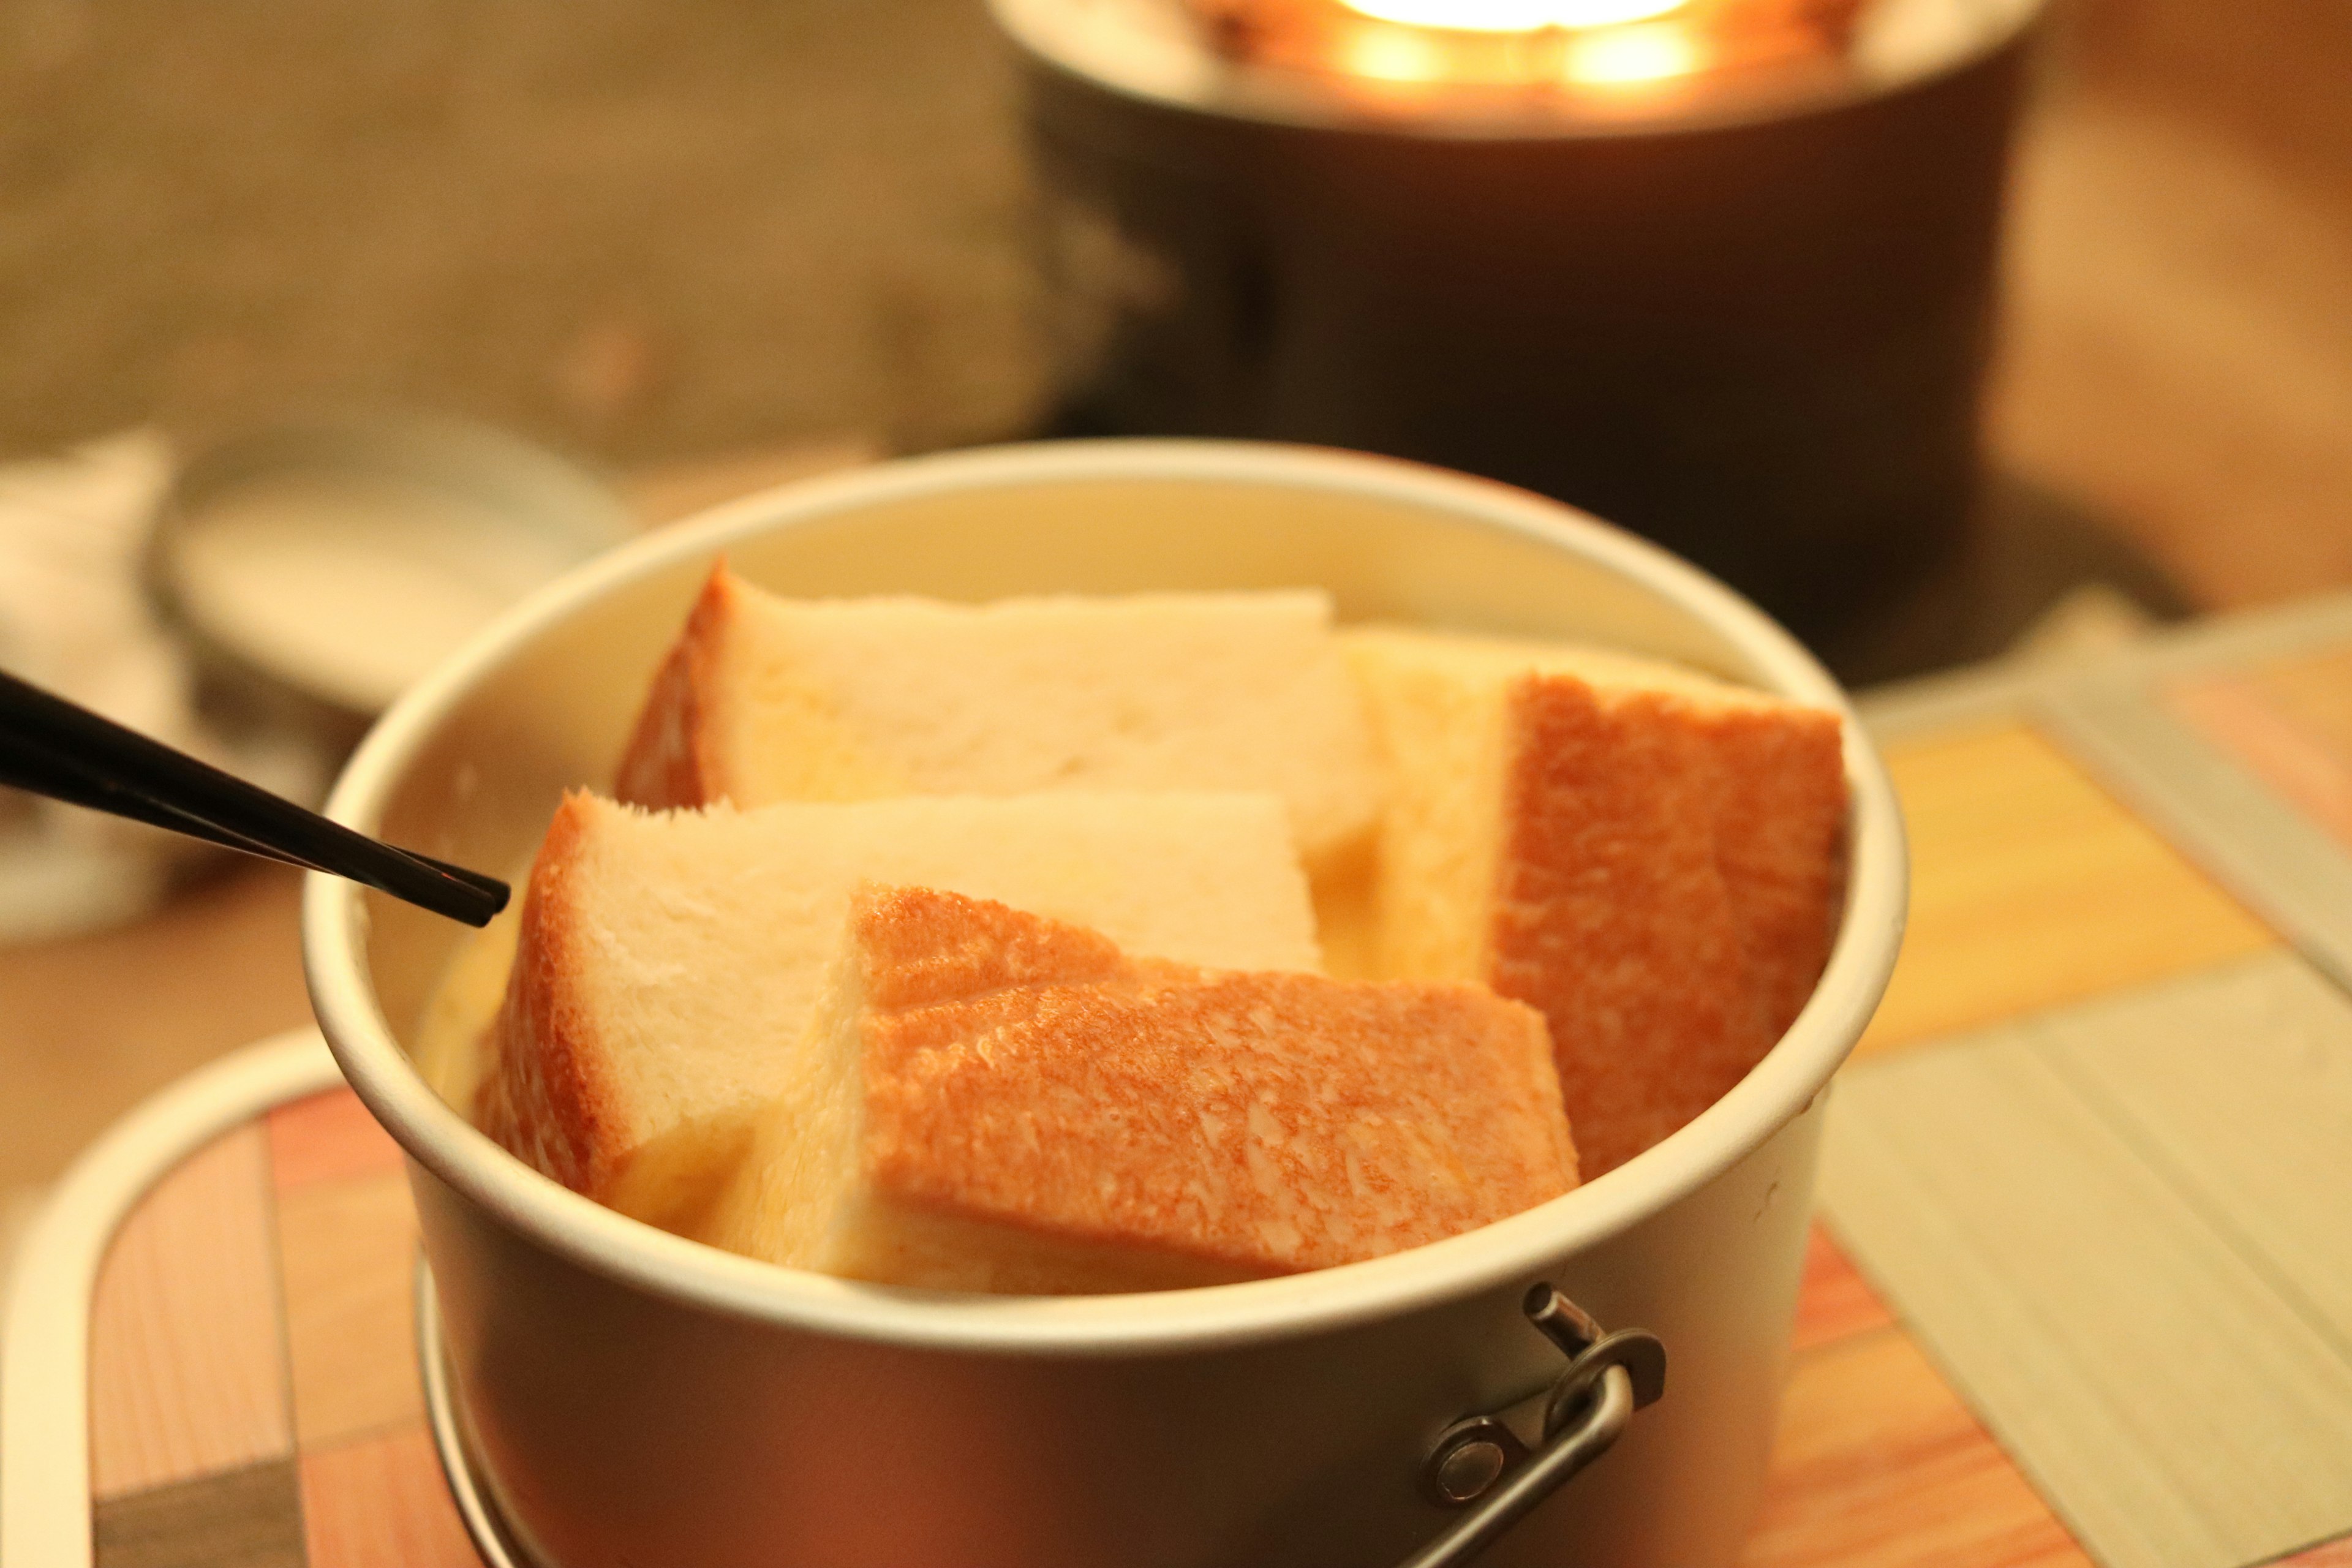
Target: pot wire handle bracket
[[1481, 1460]]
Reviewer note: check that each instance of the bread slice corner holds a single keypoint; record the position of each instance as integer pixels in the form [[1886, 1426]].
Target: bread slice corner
[[1650, 857], [666, 963]]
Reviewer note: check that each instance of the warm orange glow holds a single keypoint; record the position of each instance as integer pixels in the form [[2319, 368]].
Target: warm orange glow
[[1393, 54], [1624, 55], [1606, 58], [1514, 16]]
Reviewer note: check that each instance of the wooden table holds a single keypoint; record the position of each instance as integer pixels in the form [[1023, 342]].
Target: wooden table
[[2140, 852]]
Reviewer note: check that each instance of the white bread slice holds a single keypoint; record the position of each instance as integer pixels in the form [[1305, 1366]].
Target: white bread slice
[[993, 1101], [667, 963], [765, 698], [1651, 858]]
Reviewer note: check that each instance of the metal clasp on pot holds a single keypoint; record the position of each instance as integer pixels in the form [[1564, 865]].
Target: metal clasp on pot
[[1608, 1377]]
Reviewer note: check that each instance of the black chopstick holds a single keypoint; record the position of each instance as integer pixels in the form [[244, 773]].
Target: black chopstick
[[60, 784], [49, 746]]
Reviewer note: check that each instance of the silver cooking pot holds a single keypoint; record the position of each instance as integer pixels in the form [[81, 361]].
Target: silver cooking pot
[[621, 1396]]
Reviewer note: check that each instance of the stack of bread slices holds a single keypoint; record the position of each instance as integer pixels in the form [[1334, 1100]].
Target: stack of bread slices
[[1072, 945]]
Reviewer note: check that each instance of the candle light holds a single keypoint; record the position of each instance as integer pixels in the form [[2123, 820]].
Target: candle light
[[1538, 49], [1719, 270], [1513, 15]]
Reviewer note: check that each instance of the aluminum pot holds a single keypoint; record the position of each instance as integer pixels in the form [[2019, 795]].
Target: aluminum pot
[[627, 1396]]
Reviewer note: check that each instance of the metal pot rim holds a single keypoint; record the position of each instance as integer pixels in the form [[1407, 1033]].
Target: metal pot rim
[[1523, 1247]]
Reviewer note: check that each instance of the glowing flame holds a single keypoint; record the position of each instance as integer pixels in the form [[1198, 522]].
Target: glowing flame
[[1632, 54], [1514, 16]]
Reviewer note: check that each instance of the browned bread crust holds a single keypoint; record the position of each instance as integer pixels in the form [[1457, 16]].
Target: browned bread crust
[[669, 762], [542, 1099], [1781, 840], [1668, 892], [1020, 1071]]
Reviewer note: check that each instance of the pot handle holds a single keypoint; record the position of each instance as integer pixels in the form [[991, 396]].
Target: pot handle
[[1481, 1464]]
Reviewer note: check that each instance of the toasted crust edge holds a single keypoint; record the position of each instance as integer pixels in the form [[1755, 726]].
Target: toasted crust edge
[[542, 1099], [1635, 1063], [1782, 847], [666, 763], [928, 959]]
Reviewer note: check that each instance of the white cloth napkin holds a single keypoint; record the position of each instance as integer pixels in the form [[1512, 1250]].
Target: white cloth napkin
[[75, 620]]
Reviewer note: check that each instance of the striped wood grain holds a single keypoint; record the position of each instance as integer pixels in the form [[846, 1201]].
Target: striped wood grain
[[186, 1378], [2172, 1404], [349, 1248], [2199, 784], [1878, 1465], [381, 1502], [246, 1518], [327, 1137], [2308, 693], [2030, 888], [2237, 714], [1835, 1301], [2237, 1084]]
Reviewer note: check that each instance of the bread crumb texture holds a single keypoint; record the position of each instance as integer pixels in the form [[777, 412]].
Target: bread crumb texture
[[1651, 857], [1022, 1071], [667, 962], [766, 699]]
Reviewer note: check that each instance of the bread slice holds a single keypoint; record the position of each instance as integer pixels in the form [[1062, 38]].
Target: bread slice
[[765, 698], [1651, 858], [666, 963], [993, 1101]]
